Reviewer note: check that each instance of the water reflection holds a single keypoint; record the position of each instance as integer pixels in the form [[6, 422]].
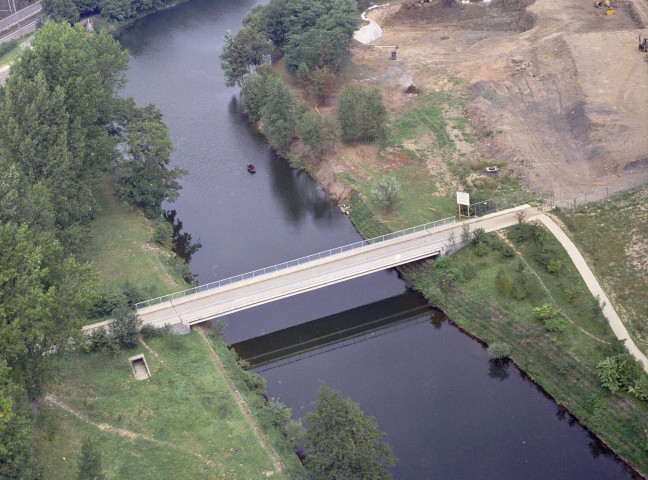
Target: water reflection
[[498, 368]]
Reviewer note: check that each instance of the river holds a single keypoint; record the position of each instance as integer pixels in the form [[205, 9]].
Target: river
[[447, 410]]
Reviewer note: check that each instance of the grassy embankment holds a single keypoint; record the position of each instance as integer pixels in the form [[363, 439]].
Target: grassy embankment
[[121, 250], [183, 420], [613, 236], [466, 288], [180, 423], [561, 362]]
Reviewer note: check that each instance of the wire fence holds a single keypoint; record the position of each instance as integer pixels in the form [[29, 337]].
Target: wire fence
[[293, 263], [491, 205]]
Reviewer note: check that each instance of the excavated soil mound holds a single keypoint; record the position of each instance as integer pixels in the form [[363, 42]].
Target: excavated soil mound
[[500, 15]]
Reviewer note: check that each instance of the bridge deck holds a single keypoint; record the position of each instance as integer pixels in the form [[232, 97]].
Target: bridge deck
[[228, 299]]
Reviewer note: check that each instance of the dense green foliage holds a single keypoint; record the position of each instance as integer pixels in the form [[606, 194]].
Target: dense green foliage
[[44, 296], [317, 33], [361, 113], [267, 99], [242, 53], [69, 10], [320, 133], [61, 123], [144, 178], [125, 327], [343, 443]]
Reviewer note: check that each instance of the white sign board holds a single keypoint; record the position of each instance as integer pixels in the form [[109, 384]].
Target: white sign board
[[463, 198]]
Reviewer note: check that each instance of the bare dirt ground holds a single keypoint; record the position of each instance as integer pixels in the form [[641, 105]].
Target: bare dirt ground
[[569, 117]]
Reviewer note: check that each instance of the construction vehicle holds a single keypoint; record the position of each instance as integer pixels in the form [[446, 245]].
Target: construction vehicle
[[605, 4], [643, 43]]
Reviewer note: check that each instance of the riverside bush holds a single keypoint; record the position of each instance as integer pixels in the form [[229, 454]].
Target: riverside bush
[[387, 193], [499, 350]]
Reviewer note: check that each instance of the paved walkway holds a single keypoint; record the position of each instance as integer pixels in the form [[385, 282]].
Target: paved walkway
[[615, 322]]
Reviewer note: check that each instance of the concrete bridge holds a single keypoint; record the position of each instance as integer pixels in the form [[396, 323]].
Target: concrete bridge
[[224, 297]]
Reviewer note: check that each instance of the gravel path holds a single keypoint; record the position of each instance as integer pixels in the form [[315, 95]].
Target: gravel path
[[592, 283]]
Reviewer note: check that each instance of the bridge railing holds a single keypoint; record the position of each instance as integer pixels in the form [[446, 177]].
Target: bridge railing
[[296, 262]]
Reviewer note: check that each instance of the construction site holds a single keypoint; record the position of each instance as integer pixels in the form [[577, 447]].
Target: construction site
[[554, 90]]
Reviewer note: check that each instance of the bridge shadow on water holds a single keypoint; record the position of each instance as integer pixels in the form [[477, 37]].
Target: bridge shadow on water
[[335, 331]]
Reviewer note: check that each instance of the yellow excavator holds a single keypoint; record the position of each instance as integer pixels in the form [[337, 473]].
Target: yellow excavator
[[605, 4]]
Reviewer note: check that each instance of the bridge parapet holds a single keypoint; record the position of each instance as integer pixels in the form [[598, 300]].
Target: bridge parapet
[[293, 263]]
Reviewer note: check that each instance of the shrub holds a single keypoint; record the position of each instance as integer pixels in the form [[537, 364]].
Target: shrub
[[218, 328], [276, 413], [545, 312], [387, 192], [557, 324], [640, 389], [629, 369], [125, 327], [608, 375], [499, 350], [295, 433], [163, 234], [149, 331], [254, 382], [100, 341]]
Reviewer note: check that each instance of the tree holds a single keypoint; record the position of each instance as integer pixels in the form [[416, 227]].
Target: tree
[[144, 178], [255, 88], [61, 10], [387, 192], [44, 296], [320, 82], [317, 131], [343, 443], [242, 52], [361, 113], [125, 327], [90, 462], [278, 115], [317, 33]]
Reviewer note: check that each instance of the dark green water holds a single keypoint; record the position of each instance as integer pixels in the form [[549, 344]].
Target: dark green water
[[448, 412]]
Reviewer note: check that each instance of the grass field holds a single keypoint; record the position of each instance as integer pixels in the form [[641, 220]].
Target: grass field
[[180, 423], [613, 236], [431, 152], [122, 252]]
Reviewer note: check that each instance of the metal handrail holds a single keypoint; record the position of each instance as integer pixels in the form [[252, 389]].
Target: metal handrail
[[442, 243], [294, 263]]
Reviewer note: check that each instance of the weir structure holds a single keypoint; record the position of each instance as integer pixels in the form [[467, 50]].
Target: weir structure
[[224, 297]]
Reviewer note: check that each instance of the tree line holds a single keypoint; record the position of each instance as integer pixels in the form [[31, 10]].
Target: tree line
[[69, 11], [312, 38], [62, 127]]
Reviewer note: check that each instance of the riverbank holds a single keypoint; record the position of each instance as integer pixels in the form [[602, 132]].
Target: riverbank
[[561, 363], [130, 264]]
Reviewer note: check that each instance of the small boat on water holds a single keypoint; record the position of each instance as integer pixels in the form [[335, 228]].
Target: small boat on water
[[251, 168]]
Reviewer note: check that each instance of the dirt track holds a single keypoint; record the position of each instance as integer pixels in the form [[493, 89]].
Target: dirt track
[[570, 118]]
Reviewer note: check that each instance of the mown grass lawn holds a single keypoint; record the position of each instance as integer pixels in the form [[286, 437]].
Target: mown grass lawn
[[181, 423]]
